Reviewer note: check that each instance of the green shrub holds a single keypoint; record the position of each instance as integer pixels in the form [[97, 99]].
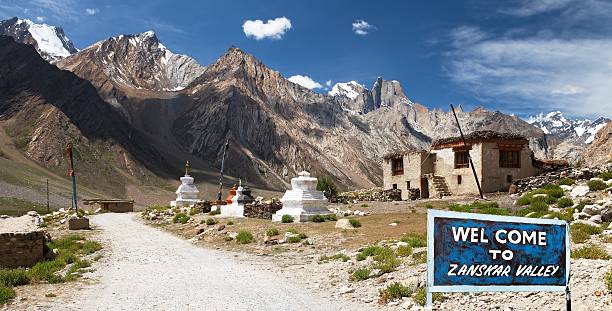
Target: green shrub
[[13, 277], [605, 175], [582, 204], [460, 208], [360, 274], [338, 256], [537, 207], [244, 237], [419, 296], [294, 239], [180, 218], [332, 217], [287, 219], [480, 207], [393, 292], [364, 205], [566, 181], [419, 258], [590, 252], [90, 247], [302, 235], [318, 218], [567, 214], [404, 251], [328, 187], [6, 294], [565, 202], [525, 199], [595, 185], [368, 251], [229, 223], [354, 222], [293, 230], [608, 280], [386, 260], [272, 232], [429, 206], [553, 190], [211, 221], [193, 211], [215, 212], [580, 233], [414, 240]]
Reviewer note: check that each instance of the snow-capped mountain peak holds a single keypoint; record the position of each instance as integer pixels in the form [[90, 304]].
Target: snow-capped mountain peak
[[350, 89], [555, 123], [50, 41]]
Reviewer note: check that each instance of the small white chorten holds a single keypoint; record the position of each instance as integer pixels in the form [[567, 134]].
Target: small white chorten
[[236, 209], [187, 193], [303, 201]]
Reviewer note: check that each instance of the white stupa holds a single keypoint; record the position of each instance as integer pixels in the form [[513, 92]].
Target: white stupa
[[236, 208], [187, 193], [303, 201]]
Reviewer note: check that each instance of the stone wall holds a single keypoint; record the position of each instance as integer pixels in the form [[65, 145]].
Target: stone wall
[[495, 178], [262, 210], [21, 249], [416, 164], [445, 167]]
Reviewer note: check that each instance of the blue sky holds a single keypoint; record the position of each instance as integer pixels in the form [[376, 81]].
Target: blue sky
[[520, 57]]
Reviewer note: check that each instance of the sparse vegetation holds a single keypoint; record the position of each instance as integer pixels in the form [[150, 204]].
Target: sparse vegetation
[[414, 240], [229, 223], [193, 211], [287, 219], [404, 251], [211, 221], [338, 256], [272, 232], [566, 214], [19, 207], [419, 296], [566, 181], [480, 207], [368, 251], [364, 205], [50, 295], [180, 218], [419, 258], [582, 204], [595, 185], [244, 237], [386, 260], [215, 212], [580, 233], [608, 280], [605, 175], [332, 217], [354, 222], [536, 209], [326, 184], [6, 294], [14, 277], [393, 292], [429, 206], [318, 218], [361, 274], [564, 202], [590, 252], [292, 230]]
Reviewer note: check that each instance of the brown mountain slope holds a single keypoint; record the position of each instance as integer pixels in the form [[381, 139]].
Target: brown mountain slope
[[46, 108], [600, 150]]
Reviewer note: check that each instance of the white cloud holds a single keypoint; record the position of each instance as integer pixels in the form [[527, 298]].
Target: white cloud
[[463, 35], [532, 73], [361, 27], [92, 11], [328, 83], [273, 28], [529, 7], [40, 19], [305, 81]]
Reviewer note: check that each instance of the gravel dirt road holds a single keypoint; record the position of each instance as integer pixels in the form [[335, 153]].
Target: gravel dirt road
[[149, 269]]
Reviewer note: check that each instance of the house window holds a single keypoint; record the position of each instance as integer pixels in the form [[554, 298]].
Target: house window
[[509, 158], [408, 184], [509, 178], [397, 166], [458, 179], [462, 159], [394, 186]]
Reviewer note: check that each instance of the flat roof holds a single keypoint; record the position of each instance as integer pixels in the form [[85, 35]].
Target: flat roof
[[479, 136]]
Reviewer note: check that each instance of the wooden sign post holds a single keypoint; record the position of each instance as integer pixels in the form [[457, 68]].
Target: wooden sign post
[[488, 253]]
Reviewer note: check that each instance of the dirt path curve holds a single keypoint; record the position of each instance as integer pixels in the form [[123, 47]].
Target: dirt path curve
[[149, 269]]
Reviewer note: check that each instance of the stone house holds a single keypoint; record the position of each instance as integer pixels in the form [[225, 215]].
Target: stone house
[[499, 159]]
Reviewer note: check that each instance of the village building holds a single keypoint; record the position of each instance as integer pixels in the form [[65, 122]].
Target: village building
[[499, 159]]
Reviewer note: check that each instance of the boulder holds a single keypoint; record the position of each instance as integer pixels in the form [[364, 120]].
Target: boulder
[[566, 187], [343, 223], [606, 214], [595, 219], [579, 191], [591, 209]]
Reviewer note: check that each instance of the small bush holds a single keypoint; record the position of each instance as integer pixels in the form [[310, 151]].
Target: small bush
[[580, 233], [460, 208], [180, 218], [360, 274], [6, 294], [420, 296], [565, 202], [327, 186], [272, 232], [553, 190], [244, 237], [211, 221], [590, 252], [364, 205], [566, 181], [429, 206], [419, 258], [386, 260], [537, 207], [50, 295], [293, 230], [404, 251], [318, 218], [215, 212], [287, 219], [332, 217], [13, 277], [294, 239], [595, 185], [193, 211], [229, 223], [90, 247], [354, 222], [608, 280], [414, 240], [393, 292], [368, 251], [582, 204], [525, 199], [605, 175], [566, 214], [338, 256]]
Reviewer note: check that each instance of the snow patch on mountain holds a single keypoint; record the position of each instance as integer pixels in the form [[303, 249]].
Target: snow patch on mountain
[[48, 39], [555, 123], [51, 42], [348, 89]]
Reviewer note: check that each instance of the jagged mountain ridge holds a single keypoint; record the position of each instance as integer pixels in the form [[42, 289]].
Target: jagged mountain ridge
[[50, 41]]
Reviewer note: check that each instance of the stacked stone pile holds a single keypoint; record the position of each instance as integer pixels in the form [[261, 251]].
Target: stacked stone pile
[[62, 215], [372, 194], [529, 183], [203, 206], [262, 209], [164, 215]]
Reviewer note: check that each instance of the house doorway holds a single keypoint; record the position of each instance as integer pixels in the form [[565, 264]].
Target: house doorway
[[424, 188]]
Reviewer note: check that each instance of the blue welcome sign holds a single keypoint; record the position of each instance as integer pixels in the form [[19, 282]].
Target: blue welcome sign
[[475, 253]]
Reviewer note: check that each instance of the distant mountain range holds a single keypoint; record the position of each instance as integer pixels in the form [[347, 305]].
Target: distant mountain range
[[159, 108]]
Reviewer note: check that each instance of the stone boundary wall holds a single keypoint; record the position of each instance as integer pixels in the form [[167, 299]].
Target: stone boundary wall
[[261, 210], [21, 249]]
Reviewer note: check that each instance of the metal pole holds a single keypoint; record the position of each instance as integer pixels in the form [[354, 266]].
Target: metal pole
[[71, 173], [225, 147], [47, 195], [469, 156]]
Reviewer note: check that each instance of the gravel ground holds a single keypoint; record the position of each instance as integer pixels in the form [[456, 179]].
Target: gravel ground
[[152, 270]]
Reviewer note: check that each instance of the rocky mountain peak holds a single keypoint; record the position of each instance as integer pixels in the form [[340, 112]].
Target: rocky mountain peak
[[138, 61], [556, 124], [50, 41]]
